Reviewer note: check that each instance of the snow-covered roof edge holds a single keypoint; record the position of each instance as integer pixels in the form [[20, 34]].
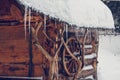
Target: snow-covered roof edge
[[93, 13]]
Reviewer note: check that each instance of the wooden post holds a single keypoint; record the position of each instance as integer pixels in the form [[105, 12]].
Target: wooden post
[[31, 65], [30, 72]]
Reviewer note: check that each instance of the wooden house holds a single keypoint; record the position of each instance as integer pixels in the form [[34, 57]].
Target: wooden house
[[51, 40]]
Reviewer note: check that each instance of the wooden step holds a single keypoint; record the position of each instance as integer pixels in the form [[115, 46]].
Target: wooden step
[[89, 62], [86, 73], [88, 51]]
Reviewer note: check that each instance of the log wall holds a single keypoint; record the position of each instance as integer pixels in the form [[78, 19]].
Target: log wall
[[14, 53]]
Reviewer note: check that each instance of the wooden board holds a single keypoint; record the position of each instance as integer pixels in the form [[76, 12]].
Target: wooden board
[[12, 33], [13, 46], [14, 53], [13, 70]]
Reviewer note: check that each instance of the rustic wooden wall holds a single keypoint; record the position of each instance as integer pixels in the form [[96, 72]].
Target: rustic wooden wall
[[14, 55], [14, 49]]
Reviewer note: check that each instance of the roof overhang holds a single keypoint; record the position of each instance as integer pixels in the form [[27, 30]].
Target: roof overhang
[[82, 13]]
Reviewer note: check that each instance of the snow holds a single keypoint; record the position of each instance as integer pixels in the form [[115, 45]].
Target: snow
[[87, 46], [87, 13], [91, 13], [91, 56], [87, 67], [109, 58]]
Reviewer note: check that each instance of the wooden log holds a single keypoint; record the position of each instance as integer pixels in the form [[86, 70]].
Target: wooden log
[[20, 70], [82, 75], [38, 71], [14, 59], [15, 33], [34, 19], [15, 12], [88, 51], [89, 62], [37, 57], [13, 70], [6, 17], [86, 73], [13, 46]]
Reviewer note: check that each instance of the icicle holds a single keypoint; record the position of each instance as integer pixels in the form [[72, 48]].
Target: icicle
[[77, 32], [25, 20], [56, 45], [55, 24], [45, 23], [29, 19], [56, 27], [66, 26]]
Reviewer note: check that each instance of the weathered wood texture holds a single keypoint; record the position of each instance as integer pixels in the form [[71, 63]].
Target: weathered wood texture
[[9, 10], [13, 70], [14, 53]]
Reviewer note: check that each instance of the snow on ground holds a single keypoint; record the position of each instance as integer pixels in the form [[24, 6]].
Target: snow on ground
[[109, 58]]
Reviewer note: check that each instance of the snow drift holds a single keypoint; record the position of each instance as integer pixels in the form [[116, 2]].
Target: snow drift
[[109, 58]]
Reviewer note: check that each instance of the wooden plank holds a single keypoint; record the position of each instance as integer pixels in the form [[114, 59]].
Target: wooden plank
[[19, 70], [13, 46], [13, 70], [37, 55], [15, 59], [15, 33], [88, 51], [87, 41], [38, 58], [38, 71], [15, 12], [13, 51], [89, 62], [86, 73], [6, 17], [34, 19]]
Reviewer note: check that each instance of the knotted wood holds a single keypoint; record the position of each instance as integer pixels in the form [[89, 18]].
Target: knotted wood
[[53, 60]]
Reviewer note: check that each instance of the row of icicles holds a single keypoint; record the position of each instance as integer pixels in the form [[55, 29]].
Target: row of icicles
[[27, 15]]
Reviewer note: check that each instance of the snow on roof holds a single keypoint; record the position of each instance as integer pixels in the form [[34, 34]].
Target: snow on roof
[[82, 13]]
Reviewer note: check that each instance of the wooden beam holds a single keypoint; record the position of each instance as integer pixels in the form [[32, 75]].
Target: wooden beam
[[86, 73]]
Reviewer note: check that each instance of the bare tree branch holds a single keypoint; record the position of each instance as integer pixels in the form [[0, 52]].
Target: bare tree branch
[[35, 32]]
